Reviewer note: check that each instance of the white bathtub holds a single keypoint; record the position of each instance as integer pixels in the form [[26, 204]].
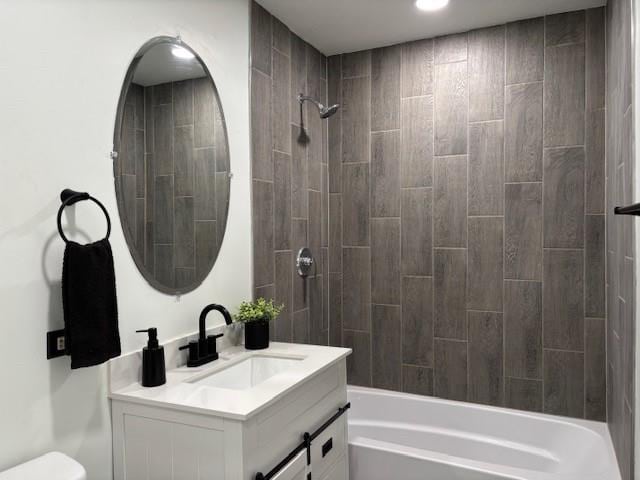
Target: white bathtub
[[410, 437]]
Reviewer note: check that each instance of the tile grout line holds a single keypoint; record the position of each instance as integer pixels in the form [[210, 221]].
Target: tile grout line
[[466, 298], [432, 212], [542, 295], [584, 231], [370, 310], [504, 224], [402, 313]]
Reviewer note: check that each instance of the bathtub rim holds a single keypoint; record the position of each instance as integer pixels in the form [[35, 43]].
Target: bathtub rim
[[593, 426]]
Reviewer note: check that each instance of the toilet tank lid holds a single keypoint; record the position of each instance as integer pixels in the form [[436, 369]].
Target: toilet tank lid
[[52, 466]]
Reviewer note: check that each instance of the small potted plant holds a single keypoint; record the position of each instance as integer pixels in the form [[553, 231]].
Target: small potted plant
[[256, 316]]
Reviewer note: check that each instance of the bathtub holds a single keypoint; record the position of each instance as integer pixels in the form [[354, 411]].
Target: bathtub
[[410, 437]]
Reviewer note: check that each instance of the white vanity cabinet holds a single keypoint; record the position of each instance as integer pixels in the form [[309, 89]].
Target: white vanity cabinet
[[155, 442]]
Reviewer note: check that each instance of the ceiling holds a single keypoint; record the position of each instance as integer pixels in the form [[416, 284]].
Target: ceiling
[[159, 65], [340, 26]]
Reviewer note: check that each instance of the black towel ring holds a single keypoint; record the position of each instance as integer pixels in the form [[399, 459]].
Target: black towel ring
[[69, 197]]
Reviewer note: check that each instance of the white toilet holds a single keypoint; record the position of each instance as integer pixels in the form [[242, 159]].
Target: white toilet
[[52, 466]]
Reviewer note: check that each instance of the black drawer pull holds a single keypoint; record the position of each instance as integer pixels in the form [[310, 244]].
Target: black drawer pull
[[326, 424], [326, 448]]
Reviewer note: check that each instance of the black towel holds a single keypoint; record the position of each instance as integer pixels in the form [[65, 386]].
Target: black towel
[[89, 302]]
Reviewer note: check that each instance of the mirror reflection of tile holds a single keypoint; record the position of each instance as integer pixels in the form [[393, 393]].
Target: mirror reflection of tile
[[174, 178]]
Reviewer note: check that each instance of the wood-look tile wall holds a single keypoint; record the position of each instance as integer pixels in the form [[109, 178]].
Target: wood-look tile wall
[[620, 237], [466, 224], [457, 202], [290, 177]]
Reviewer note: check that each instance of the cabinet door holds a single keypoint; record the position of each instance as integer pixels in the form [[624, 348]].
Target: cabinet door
[[339, 471], [161, 450], [296, 469]]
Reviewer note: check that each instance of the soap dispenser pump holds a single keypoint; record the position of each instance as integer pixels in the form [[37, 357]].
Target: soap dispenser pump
[[153, 368]]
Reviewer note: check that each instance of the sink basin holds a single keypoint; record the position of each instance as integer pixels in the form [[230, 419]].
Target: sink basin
[[248, 373]]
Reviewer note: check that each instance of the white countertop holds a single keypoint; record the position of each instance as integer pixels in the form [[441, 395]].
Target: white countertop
[[179, 394]]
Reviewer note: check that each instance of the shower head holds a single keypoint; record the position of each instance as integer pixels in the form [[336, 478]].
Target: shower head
[[325, 112]]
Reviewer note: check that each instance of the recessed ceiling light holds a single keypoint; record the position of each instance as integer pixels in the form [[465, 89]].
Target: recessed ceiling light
[[431, 5], [181, 52]]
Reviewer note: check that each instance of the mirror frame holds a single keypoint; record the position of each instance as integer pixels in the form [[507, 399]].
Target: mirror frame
[[128, 80]]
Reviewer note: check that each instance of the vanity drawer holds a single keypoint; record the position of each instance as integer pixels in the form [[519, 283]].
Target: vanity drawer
[[299, 410], [328, 447]]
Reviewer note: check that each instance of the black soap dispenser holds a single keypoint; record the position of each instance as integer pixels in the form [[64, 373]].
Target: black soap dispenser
[[153, 369]]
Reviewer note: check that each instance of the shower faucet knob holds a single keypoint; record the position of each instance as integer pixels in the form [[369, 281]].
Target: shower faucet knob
[[304, 262]]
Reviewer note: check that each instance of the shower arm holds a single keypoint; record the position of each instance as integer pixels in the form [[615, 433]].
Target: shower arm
[[303, 98]]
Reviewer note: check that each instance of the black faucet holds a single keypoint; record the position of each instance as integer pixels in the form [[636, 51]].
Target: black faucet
[[203, 350]]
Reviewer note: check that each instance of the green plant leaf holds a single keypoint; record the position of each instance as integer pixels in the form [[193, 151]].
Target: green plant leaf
[[260, 309]]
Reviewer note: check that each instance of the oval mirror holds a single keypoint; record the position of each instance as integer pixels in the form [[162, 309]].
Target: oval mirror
[[171, 166]]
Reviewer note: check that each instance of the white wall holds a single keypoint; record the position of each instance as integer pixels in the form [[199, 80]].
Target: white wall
[[62, 64]]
